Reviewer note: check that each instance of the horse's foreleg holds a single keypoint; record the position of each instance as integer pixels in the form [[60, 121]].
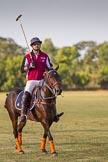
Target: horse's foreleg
[[18, 146], [51, 142], [47, 132], [20, 137], [43, 143]]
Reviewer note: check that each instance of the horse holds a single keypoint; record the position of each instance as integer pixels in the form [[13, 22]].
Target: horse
[[43, 111]]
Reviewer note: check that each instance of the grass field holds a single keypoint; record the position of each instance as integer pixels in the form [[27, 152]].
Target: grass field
[[81, 135]]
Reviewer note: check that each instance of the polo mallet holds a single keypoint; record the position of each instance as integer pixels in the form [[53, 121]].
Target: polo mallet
[[18, 19]]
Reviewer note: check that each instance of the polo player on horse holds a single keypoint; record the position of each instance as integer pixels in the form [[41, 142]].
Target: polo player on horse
[[34, 64]]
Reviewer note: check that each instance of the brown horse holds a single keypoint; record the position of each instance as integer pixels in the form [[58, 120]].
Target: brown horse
[[44, 110]]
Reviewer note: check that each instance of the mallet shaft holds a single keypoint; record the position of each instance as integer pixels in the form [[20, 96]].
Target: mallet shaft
[[24, 33]]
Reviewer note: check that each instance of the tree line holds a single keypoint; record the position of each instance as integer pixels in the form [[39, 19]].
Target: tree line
[[82, 66]]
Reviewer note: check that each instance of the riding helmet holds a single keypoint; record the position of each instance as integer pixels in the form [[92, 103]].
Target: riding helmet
[[34, 40]]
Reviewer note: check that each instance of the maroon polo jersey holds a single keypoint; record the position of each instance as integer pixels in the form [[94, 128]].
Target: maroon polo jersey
[[40, 61]]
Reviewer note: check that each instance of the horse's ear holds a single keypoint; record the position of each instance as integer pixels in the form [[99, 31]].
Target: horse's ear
[[57, 68], [44, 73]]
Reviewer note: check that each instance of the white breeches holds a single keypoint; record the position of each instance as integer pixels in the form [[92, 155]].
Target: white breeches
[[31, 84]]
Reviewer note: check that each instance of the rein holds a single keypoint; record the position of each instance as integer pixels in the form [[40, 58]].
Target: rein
[[52, 91], [43, 100]]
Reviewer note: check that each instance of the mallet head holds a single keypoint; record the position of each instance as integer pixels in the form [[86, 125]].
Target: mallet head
[[18, 17]]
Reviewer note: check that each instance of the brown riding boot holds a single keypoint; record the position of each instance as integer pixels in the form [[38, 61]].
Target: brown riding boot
[[25, 105]]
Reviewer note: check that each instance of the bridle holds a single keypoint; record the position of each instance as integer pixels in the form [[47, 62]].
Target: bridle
[[48, 83]]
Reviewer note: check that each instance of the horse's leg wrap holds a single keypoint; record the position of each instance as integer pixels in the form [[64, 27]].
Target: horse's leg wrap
[[20, 138], [25, 105], [52, 147], [18, 145], [43, 143]]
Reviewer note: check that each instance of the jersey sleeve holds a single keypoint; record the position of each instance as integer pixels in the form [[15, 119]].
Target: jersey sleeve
[[48, 63], [24, 63]]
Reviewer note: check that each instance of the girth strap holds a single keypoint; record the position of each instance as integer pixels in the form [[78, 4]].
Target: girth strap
[[43, 103]]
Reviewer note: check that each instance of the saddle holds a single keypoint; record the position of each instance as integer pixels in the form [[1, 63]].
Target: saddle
[[35, 95], [18, 102]]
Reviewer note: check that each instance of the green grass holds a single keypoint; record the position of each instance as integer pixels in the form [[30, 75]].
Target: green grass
[[81, 135]]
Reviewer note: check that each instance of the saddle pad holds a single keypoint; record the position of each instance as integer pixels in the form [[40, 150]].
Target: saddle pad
[[18, 102]]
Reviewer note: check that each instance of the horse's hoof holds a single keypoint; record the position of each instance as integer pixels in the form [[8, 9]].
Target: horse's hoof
[[59, 115], [21, 152], [56, 119], [44, 152], [54, 154]]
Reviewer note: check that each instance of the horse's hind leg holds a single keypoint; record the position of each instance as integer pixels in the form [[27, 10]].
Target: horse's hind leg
[[19, 129], [18, 137], [14, 119]]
